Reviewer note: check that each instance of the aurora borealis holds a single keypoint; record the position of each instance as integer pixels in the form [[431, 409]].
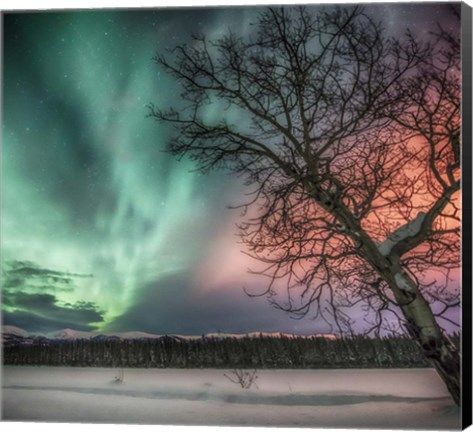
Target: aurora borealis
[[101, 229]]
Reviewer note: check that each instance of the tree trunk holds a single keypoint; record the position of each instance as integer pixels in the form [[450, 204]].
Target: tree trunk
[[442, 353], [423, 328]]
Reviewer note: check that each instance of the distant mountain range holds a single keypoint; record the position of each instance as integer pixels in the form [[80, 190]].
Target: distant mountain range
[[12, 335]]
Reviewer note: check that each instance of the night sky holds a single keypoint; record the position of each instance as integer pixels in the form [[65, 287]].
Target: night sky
[[101, 229]]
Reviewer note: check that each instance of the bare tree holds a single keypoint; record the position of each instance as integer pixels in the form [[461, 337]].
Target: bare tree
[[355, 176], [245, 379]]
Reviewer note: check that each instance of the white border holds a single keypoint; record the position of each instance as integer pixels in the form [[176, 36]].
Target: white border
[[98, 4]]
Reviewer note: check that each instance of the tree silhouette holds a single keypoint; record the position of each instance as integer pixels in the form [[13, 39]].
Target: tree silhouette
[[350, 143]]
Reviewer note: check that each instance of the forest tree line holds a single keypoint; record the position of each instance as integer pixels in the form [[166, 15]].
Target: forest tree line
[[247, 352]]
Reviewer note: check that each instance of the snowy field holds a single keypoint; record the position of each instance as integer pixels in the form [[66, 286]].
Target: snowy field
[[391, 399]]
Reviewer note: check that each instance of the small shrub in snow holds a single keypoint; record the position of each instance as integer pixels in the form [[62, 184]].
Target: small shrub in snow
[[120, 377], [245, 379]]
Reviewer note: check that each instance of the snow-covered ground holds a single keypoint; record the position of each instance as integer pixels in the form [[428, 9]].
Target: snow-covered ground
[[408, 398]]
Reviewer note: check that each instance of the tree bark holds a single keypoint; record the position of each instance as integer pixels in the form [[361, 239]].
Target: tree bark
[[437, 347], [423, 328]]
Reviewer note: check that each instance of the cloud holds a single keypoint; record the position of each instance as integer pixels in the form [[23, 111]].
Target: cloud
[[173, 307], [30, 299], [20, 274], [39, 324], [40, 311]]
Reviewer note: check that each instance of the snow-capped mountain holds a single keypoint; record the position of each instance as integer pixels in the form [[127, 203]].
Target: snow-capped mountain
[[12, 330], [12, 335], [263, 334], [133, 335], [69, 334]]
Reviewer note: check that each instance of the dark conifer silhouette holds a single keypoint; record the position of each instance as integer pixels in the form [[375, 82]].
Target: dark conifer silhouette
[[261, 352]]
